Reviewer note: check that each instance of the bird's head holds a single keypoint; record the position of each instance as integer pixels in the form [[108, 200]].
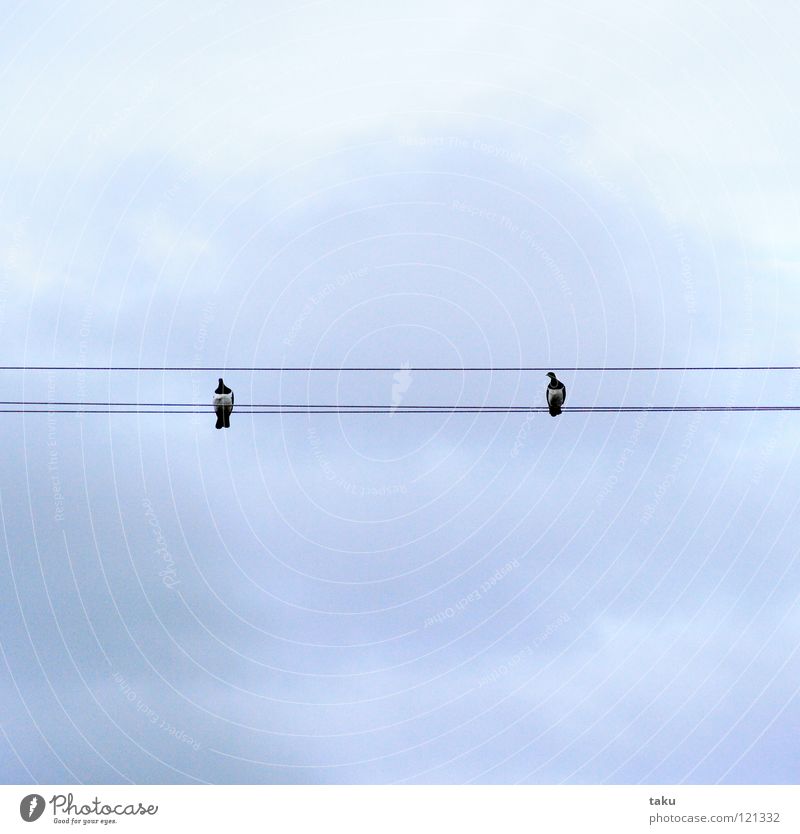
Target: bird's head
[[551, 375]]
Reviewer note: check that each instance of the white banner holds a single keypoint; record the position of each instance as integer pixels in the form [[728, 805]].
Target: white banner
[[399, 810]]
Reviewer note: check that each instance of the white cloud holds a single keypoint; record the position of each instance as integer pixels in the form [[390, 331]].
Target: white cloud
[[693, 101]]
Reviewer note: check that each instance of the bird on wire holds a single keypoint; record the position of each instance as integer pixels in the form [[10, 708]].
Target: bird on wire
[[223, 405], [556, 395]]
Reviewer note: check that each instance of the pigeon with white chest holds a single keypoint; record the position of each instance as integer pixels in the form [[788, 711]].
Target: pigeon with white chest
[[223, 405]]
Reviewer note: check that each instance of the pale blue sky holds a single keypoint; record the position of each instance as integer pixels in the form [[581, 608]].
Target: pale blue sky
[[598, 598]]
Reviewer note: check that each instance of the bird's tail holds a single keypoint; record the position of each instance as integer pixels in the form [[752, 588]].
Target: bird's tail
[[226, 418], [555, 410], [220, 418]]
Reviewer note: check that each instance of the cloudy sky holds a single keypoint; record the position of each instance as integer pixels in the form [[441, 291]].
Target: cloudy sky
[[602, 598]]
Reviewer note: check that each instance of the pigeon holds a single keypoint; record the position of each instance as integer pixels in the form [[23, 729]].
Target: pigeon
[[556, 394], [223, 405]]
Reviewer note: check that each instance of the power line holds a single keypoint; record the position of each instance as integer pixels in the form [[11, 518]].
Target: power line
[[621, 409], [240, 406], [278, 369]]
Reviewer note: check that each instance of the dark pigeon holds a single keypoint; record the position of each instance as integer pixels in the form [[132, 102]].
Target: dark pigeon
[[556, 395]]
